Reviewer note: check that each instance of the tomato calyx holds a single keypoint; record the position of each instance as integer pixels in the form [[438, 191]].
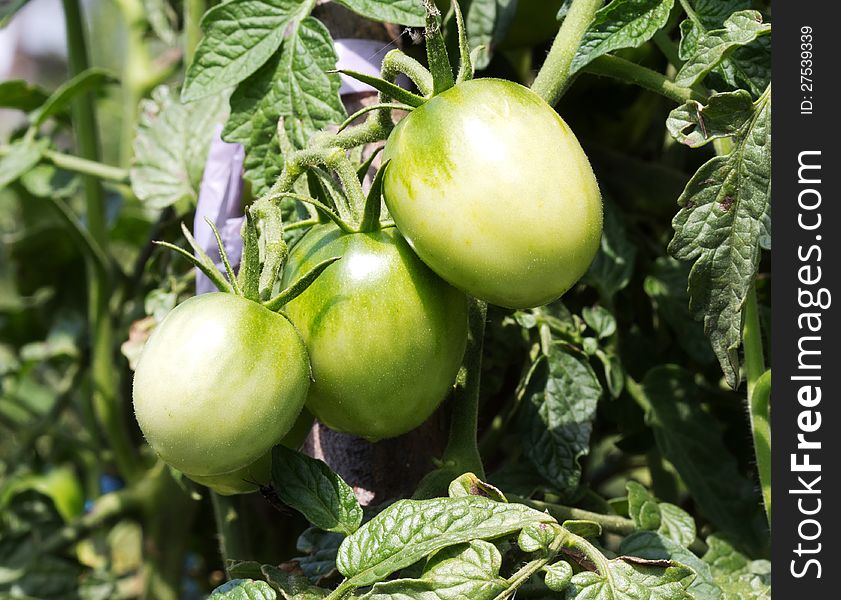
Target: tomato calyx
[[259, 271]]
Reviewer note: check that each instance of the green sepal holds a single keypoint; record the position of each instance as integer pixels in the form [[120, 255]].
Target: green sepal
[[389, 90], [249, 268], [371, 215], [436, 51], [232, 278], [202, 261], [300, 286], [363, 169], [465, 67], [367, 109]]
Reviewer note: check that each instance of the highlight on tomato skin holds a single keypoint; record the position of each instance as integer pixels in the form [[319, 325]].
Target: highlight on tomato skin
[[493, 191], [385, 334], [220, 381]]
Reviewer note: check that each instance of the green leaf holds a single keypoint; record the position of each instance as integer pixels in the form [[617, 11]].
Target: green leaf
[[691, 439], [244, 589], [724, 220], [600, 320], [621, 24], [463, 571], [738, 577], [487, 23], [666, 286], [470, 485], [320, 549], [295, 85], [313, 489], [404, 12], [614, 372], [632, 579], [171, 147], [557, 414], [163, 20], [536, 537], [60, 99], [611, 270], [8, 10], [655, 546], [583, 528], [45, 180], [740, 29], [21, 95], [23, 155], [724, 115], [558, 576], [292, 587], [408, 530], [239, 37], [670, 520]]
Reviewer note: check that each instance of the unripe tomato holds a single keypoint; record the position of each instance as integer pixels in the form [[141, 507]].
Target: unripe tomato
[[249, 478], [493, 191], [385, 334], [220, 381]]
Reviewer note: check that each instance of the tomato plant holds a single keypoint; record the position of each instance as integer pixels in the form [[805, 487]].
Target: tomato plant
[[495, 194], [385, 334], [456, 349]]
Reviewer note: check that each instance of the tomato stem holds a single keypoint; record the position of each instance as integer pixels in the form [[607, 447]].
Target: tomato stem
[[465, 68], [759, 393], [552, 78], [106, 401], [625, 70], [436, 50]]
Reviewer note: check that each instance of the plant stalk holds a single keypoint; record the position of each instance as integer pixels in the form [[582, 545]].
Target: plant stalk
[[106, 400], [552, 78], [610, 523], [82, 166], [193, 11], [628, 72]]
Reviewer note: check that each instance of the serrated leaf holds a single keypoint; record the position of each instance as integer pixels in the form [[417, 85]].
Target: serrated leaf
[[408, 530], [23, 155], [724, 220], [404, 12], [724, 115], [244, 589], [294, 85], [738, 577], [621, 24], [463, 571], [632, 580], [557, 414], [21, 95], [669, 520], [536, 536], [171, 147], [292, 587], [600, 320], [313, 489], [611, 270], [655, 546], [88, 80], [239, 37], [691, 439], [487, 22], [711, 48]]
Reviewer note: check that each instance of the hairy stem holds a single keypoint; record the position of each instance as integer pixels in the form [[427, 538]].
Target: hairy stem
[[610, 523], [82, 166], [759, 391], [106, 400], [628, 72], [552, 78]]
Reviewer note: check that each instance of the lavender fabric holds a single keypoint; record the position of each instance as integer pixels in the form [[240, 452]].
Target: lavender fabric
[[221, 185]]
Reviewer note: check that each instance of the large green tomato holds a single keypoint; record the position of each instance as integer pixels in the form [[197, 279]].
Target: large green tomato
[[385, 335], [249, 478], [220, 381], [493, 191]]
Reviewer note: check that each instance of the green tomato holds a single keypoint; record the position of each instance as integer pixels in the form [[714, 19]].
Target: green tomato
[[249, 478], [493, 191], [385, 335], [220, 381]]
